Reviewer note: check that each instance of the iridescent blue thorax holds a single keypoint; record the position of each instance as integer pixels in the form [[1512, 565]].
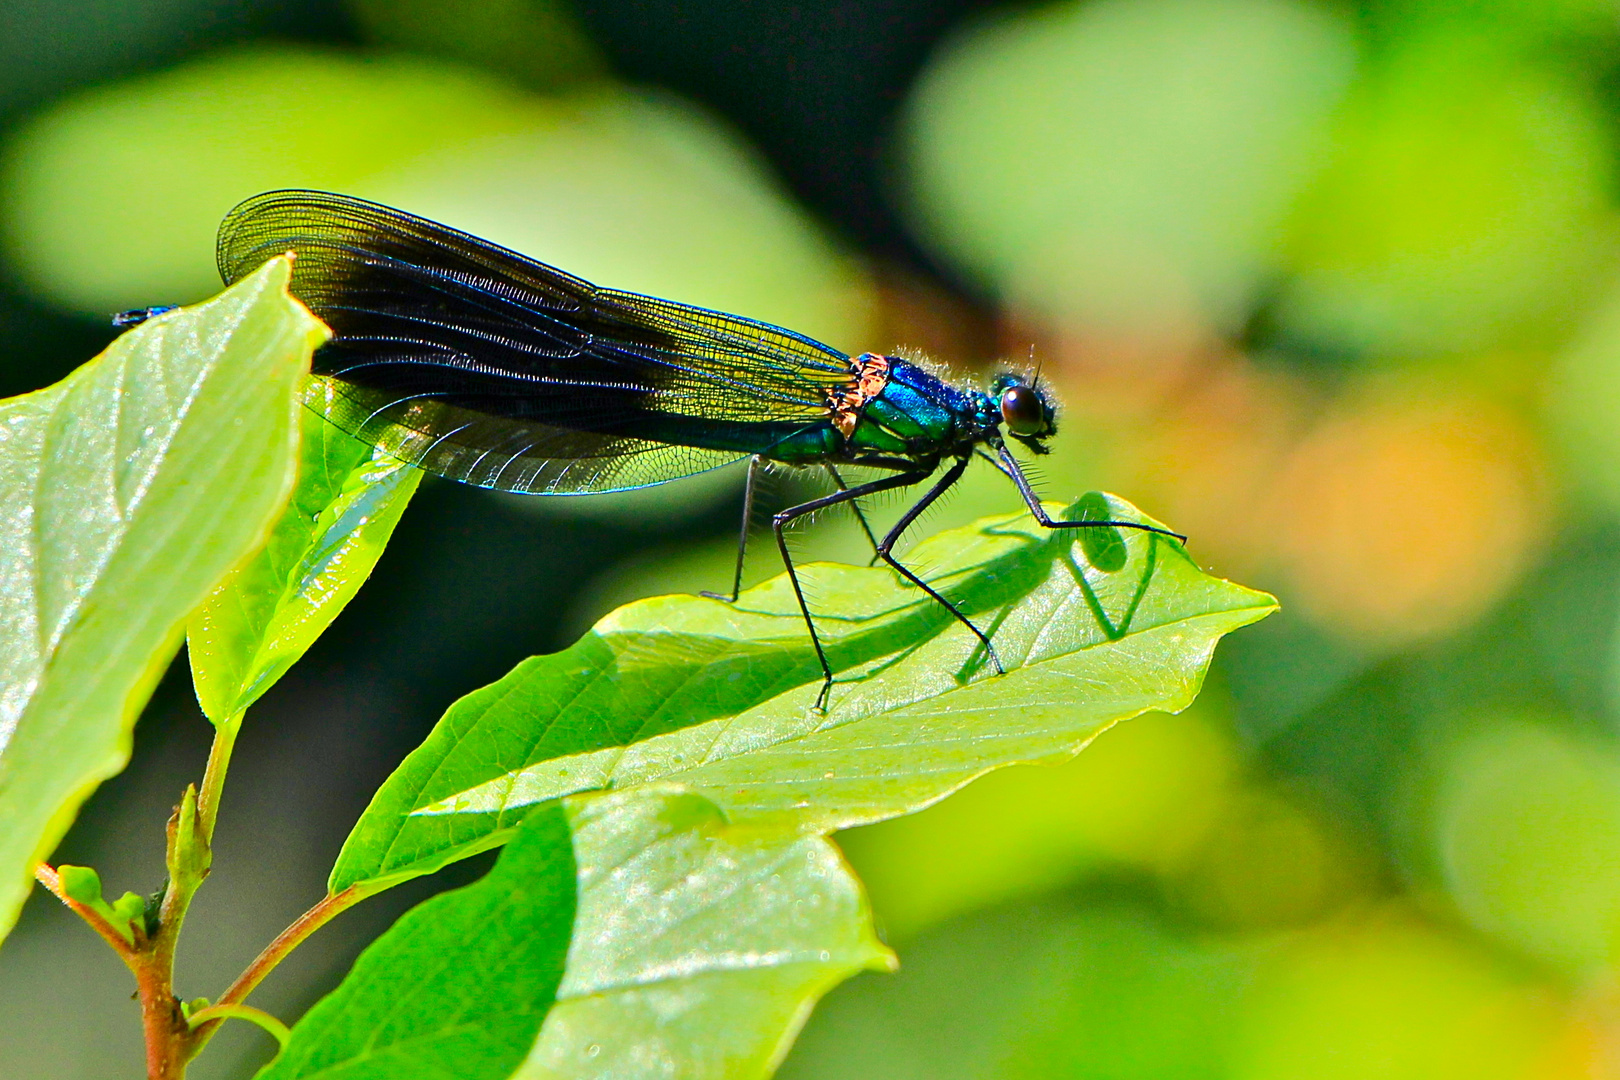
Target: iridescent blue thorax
[[919, 415], [892, 409]]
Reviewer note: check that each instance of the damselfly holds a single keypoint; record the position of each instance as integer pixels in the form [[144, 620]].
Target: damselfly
[[484, 366]]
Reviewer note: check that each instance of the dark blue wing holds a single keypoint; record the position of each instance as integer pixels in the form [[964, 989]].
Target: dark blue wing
[[488, 367]]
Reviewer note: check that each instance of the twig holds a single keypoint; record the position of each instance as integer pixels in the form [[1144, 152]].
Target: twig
[[215, 1013], [326, 909], [48, 877]]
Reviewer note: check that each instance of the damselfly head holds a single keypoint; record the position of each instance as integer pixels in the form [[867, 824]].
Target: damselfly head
[[1026, 411]]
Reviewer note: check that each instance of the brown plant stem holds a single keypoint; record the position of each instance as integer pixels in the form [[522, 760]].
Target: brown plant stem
[[150, 960], [188, 858], [161, 1019], [171, 1039]]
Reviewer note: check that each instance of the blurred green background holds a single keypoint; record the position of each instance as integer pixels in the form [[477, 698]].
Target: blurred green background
[[1332, 287]]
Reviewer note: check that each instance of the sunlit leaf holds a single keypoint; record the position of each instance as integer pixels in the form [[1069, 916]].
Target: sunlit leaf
[[699, 946], [263, 617], [126, 491], [720, 697], [631, 934]]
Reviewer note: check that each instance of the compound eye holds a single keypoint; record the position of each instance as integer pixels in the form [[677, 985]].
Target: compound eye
[[1023, 411]]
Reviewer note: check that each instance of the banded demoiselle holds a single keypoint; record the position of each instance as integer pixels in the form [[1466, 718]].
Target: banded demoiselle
[[484, 366]]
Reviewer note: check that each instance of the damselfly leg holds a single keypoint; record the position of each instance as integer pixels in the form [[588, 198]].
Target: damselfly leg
[[780, 522], [1009, 466], [860, 515], [754, 466], [952, 475]]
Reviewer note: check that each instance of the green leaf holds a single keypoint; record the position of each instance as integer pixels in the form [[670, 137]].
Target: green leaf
[[267, 613], [719, 697], [614, 933], [699, 946], [126, 491]]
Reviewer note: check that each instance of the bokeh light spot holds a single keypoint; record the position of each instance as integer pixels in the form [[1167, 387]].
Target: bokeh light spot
[[1527, 828], [1383, 998], [1125, 163], [1405, 515]]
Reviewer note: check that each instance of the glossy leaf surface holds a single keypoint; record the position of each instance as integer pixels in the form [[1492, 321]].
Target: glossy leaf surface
[[699, 946], [126, 491]]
